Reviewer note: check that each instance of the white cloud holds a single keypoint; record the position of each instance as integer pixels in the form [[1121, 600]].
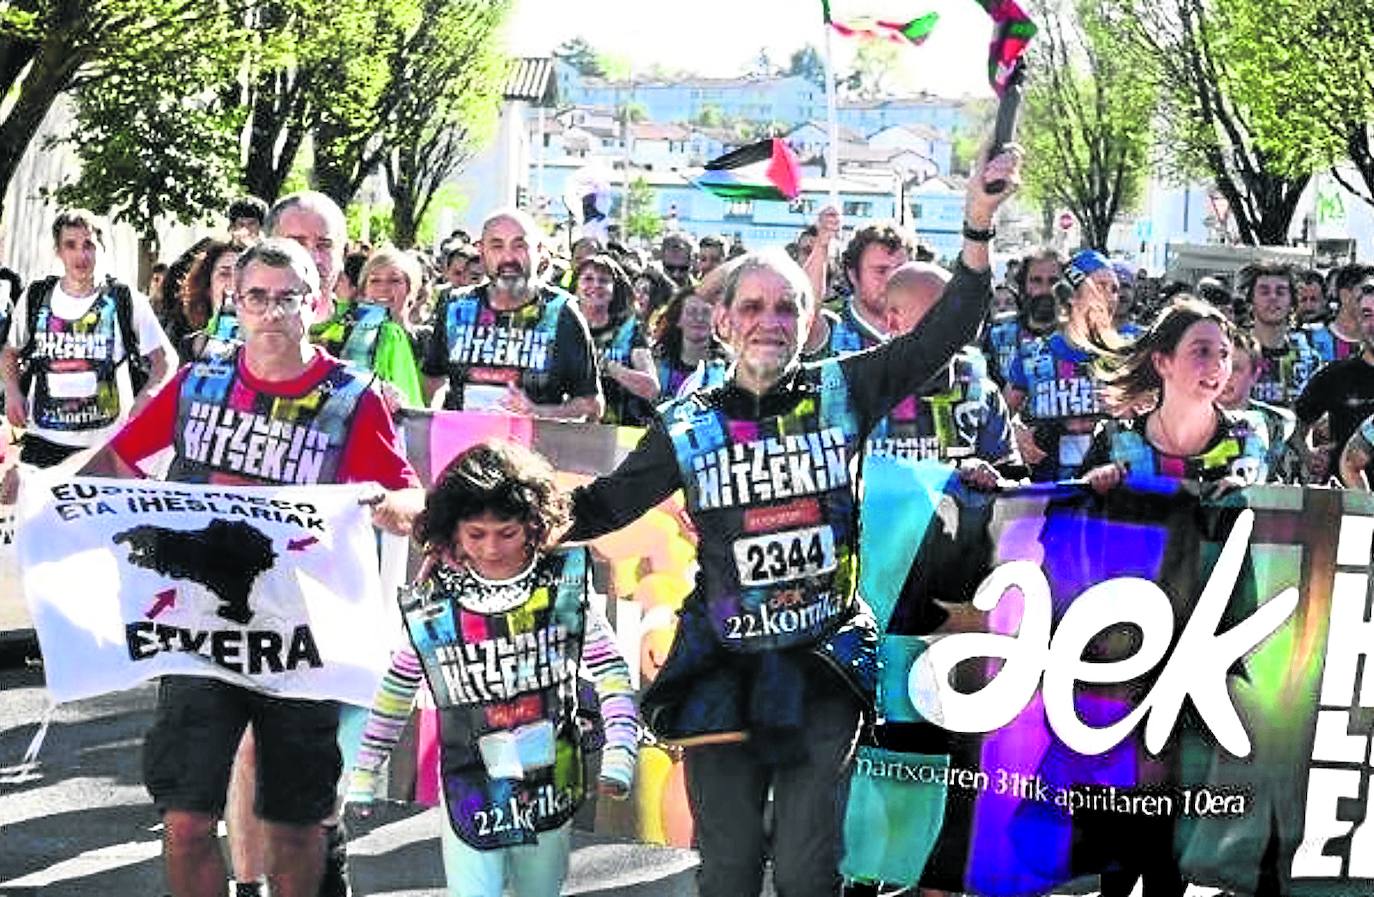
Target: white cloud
[[723, 37]]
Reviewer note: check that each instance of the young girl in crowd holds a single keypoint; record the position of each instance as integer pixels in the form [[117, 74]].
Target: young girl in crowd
[[628, 377], [511, 756], [1167, 389]]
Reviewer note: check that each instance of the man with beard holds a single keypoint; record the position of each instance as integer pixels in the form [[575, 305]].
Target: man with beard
[[1340, 338], [1342, 393], [873, 253], [710, 254], [1035, 278], [513, 344]]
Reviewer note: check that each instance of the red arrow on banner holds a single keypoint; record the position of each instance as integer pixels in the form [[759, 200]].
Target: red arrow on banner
[[300, 544], [165, 599]]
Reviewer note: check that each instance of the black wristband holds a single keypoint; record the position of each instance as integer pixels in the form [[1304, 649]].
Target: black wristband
[[979, 236]]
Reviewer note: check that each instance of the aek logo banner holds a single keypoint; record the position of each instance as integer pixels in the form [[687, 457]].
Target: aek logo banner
[[1035, 659]]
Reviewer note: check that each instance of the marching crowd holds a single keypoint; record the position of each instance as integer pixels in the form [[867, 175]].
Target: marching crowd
[[764, 381]]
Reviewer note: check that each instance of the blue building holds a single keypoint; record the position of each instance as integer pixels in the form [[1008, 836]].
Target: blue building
[[784, 99]]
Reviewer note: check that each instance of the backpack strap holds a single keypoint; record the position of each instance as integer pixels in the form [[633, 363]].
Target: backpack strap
[[124, 313], [40, 291]]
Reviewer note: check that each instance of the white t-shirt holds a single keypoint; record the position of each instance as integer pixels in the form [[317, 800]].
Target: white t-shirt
[[68, 308]]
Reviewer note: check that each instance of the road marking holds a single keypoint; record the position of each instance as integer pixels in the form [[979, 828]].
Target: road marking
[[92, 862]]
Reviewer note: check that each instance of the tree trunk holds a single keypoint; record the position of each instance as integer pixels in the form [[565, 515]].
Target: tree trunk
[[52, 70]]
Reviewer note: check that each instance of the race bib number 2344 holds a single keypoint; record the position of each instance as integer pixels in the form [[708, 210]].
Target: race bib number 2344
[[780, 557]]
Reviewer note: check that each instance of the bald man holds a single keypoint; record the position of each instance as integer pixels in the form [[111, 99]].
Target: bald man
[[959, 416], [513, 344]]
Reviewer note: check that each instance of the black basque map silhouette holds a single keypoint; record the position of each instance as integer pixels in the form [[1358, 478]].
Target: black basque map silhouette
[[225, 557]]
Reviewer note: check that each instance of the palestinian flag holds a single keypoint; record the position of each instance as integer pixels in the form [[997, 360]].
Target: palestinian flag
[[764, 170], [1011, 33], [912, 34]]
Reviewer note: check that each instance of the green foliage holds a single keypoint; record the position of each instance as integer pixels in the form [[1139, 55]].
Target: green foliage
[[643, 219], [874, 65], [1086, 124], [48, 49], [710, 117], [579, 54], [1221, 99], [449, 105], [632, 111], [1305, 73], [807, 63], [380, 228], [153, 141]]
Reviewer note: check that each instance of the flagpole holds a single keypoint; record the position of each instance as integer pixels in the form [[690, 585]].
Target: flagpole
[[832, 166]]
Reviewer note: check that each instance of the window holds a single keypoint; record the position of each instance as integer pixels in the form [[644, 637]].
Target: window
[[739, 208], [916, 211], [859, 209], [802, 206]]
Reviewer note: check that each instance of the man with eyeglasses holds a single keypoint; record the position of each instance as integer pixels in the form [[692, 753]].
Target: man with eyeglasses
[[1342, 392], [91, 349], [513, 344], [274, 383]]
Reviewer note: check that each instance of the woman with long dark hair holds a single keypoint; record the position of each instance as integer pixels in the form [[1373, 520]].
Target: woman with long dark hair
[[1167, 388], [628, 377], [207, 301]]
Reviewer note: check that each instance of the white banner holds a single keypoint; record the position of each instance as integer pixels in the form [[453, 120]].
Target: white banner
[[273, 588]]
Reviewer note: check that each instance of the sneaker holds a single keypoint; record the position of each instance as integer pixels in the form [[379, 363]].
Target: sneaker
[[334, 882]]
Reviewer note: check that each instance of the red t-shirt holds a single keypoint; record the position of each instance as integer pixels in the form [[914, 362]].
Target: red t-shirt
[[371, 455]]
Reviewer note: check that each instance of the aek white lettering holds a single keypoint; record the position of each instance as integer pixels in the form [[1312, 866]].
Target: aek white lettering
[[1196, 670], [771, 469], [254, 444]]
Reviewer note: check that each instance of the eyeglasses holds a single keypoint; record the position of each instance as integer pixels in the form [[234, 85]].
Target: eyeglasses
[[676, 269], [258, 301]]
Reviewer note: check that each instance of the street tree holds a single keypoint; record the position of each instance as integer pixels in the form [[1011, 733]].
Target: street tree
[[642, 219], [1306, 71], [1193, 51], [807, 63], [1087, 119], [48, 49], [580, 54], [454, 76]]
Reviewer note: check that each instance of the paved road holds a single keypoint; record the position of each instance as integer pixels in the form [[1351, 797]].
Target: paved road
[[82, 825]]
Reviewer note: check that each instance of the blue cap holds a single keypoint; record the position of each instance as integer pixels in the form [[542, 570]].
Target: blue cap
[[1082, 265]]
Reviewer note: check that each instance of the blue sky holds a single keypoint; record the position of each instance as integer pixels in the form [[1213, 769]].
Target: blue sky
[[723, 37]]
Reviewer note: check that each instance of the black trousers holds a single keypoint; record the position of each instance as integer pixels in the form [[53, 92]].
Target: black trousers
[[727, 789]]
